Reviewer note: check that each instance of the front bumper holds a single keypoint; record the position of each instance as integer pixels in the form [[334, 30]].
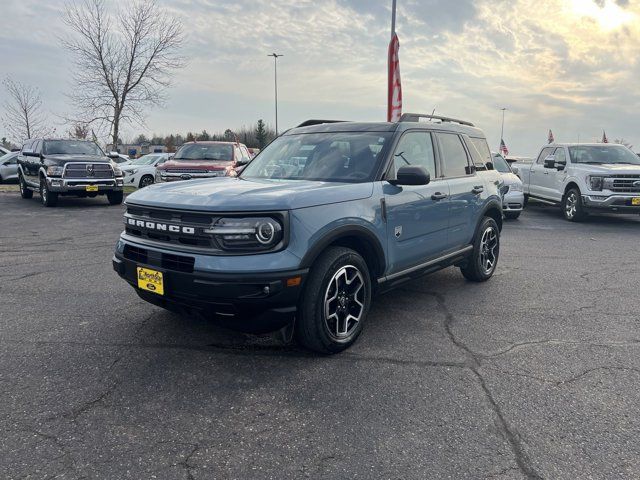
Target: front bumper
[[611, 203], [260, 301], [513, 201], [63, 185]]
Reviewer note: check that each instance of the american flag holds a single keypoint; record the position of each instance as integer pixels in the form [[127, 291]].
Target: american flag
[[551, 138], [503, 148], [394, 108], [604, 137]]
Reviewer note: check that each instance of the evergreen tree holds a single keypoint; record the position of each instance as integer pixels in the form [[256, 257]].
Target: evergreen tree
[[261, 134]]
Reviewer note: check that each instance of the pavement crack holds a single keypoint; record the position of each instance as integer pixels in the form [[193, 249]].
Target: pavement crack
[[186, 462]]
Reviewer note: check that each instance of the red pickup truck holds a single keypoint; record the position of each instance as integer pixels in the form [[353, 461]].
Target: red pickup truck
[[204, 160]]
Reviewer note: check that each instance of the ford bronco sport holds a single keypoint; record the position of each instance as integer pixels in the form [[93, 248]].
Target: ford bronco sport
[[329, 214]]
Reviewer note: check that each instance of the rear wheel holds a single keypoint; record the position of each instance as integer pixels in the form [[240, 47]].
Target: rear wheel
[[25, 192], [145, 181], [335, 302], [115, 198], [572, 206], [486, 251], [49, 199]]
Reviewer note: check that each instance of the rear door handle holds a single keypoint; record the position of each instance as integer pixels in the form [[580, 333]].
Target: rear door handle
[[439, 196], [478, 189]]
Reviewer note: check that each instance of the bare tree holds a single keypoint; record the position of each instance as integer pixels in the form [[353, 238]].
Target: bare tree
[[123, 62], [24, 116]]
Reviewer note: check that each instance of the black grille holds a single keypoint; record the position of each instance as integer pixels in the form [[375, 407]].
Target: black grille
[[177, 263], [135, 254], [88, 170]]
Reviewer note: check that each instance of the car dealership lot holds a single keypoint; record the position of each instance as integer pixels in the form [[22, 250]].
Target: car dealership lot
[[534, 373]]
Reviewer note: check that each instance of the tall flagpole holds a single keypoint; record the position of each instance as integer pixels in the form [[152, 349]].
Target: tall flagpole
[[393, 19], [502, 130], [275, 78], [389, 63]]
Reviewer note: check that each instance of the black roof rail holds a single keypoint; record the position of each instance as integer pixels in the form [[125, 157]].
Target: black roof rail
[[415, 117], [308, 123]]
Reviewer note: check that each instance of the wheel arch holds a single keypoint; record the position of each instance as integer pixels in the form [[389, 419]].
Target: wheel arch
[[569, 186], [492, 209], [355, 237]]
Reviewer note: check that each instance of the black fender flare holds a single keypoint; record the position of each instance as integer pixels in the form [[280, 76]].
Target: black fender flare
[[492, 204], [346, 231]]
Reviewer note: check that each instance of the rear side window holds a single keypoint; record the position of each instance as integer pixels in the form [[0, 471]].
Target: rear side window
[[454, 156], [415, 148], [544, 154], [26, 147], [480, 152]]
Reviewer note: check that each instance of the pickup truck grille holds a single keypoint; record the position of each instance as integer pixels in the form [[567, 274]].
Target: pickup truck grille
[[88, 170], [170, 226], [624, 184], [187, 170]]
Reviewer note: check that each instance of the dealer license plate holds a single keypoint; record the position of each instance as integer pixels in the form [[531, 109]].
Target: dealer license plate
[[150, 280], [91, 188], [635, 201]]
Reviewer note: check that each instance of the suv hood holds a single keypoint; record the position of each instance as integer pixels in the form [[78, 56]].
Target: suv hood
[[510, 179], [196, 164], [231, 194]]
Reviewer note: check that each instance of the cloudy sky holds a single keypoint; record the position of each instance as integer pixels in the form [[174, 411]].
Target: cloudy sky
[[568, 65]]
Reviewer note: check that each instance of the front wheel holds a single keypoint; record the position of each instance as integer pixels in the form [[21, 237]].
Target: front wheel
[[486, 251], [335, 302], [145, 181], [49, 199], [572, 206], [25, 192], [115, 197]]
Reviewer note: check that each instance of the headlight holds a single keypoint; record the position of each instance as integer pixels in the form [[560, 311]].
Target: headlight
[[158, 176], [55, 171], [116, 171], [516, 187], [259, 233], [595, 183]]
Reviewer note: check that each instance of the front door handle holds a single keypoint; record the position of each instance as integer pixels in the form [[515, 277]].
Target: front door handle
[[477, 189], [439, 196]]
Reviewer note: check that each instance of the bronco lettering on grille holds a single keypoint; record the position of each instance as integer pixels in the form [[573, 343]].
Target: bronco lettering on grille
[[162, 227]]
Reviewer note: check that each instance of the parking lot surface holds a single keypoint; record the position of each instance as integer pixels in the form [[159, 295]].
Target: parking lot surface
[[534, 374]]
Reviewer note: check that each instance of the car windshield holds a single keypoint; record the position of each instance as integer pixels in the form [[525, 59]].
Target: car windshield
[[500, 164], [146, 160], [70, 147], [203, 151], [330, 157], [603, 154]]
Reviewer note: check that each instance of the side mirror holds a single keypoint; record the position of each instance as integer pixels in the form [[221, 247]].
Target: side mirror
[[411, 175], [113, 155], [243, 161], [550, 162], [489, 165]]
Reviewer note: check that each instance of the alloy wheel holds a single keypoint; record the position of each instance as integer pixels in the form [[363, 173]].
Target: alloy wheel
[[344, 302], [43, 192], [571, 205], [488, 247], [146, 181]]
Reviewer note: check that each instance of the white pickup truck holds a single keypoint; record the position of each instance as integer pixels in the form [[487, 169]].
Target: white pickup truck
[[583, 178]]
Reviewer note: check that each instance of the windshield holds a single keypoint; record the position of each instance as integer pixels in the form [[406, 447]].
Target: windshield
[[600, 154], [203, 151], [329, 157], [70, 147], [146, 160], [500, 164]]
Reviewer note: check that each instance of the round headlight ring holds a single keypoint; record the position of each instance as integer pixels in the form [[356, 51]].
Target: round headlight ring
[[265, 233]]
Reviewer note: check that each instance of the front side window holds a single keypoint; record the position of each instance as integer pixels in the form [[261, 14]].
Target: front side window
[[415, 148], [544, 154], [560, 156], [204, 151], [480, 152], [70, 147], [145, 160], [603, 154], [500, 164], [454, 156], [329, 157]]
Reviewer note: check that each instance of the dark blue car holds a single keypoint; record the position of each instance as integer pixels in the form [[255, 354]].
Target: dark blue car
[[326, 216]]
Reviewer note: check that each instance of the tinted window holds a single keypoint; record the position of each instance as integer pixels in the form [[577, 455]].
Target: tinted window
[[454, 156], [71, 147], [26, 147], [544, 154], [205, 151], [480, 152], [500, 164], [415, 148]]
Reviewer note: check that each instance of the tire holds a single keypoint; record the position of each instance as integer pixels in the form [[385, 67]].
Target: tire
[[572, 208], [342, 274], [49, 199], [115, 198], [512, 215], [145, 181], [25, 192], [486, 248], [526, 200]]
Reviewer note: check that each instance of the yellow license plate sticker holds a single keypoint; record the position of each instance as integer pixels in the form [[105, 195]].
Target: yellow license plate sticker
[[150, 280], [92, 188], [635, 201]]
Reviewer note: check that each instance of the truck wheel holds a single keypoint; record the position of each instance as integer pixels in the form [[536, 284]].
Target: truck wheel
[[115, 198], [512, 215], [335, 301], [486, 251], [49, 199], [572, 206], [24, 190], [526, 200], [145, 181]]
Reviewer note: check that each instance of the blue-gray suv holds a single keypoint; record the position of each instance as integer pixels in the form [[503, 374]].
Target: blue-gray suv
[[325, 217]]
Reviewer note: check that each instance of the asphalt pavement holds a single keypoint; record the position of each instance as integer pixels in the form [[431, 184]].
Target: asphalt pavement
[[534, 374]]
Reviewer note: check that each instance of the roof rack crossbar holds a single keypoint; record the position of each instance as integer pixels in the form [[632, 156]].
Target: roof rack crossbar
[[415, 117], [308, 123]]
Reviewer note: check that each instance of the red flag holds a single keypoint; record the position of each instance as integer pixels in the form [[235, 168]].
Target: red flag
[[604, 137], [503, 148], [551, 138], [394, 107]]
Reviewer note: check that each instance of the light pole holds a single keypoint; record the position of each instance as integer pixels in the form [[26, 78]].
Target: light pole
[[502, 130], [275, 66]]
